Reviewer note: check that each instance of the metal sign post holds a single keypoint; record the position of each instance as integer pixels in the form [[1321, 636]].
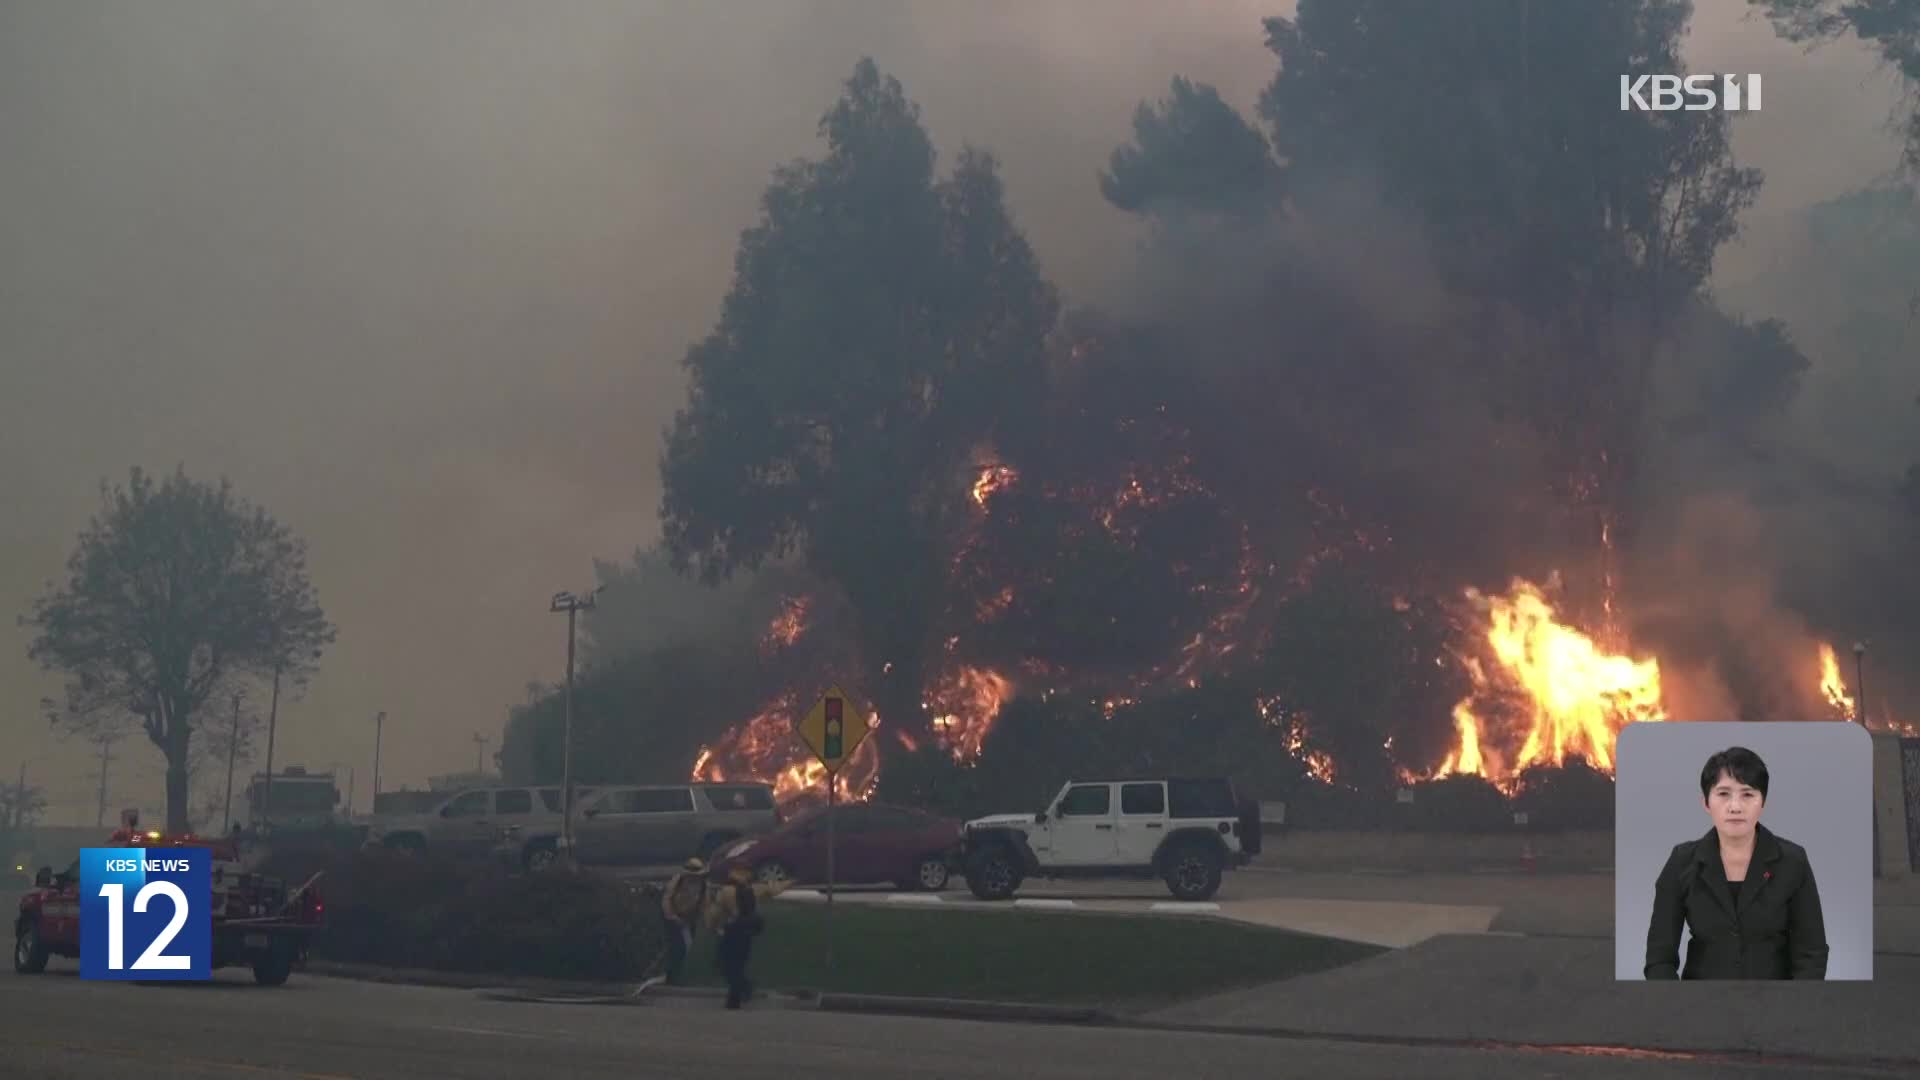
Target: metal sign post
[[833, 782], [833, 729]]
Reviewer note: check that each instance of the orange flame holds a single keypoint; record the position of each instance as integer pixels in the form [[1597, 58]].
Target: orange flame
[[767, 749], [964, 705], [1319, 764], [786, 627], [1574, 696], [992, 479], [1833, 686]]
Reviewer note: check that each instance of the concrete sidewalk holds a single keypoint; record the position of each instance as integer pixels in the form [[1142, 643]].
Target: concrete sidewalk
[[1561, 991], [1390, 923]]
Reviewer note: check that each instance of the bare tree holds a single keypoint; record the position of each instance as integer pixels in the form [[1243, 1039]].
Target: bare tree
[[175, 590]]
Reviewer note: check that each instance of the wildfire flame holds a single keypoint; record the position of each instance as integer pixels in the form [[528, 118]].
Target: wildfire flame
[[786, 627], [1319, 763], [1833, 686], [1573, 696], [992, 478], [964, 706], [767, 749]]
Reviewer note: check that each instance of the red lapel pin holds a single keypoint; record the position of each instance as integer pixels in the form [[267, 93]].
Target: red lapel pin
[[1766, 875]]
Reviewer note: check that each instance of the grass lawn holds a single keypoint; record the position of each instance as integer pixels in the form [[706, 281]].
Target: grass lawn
[[1054, 958]]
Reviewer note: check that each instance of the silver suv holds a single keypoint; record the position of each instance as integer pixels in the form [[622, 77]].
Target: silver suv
[[634, 825], [471, 822]]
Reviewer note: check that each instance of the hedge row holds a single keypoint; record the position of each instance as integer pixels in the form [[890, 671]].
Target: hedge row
[[399, 909], [1553, 799]]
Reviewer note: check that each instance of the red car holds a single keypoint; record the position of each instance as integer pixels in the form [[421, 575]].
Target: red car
[[873, 844]]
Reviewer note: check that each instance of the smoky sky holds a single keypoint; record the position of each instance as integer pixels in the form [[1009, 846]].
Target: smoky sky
[[418, 278]]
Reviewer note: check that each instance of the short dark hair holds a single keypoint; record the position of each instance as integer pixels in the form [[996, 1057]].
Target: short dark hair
[[1738, 762]]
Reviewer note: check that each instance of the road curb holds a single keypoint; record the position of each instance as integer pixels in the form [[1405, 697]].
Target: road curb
[[1709, 1055], [508, 993], [467, 980], [964, 1009]]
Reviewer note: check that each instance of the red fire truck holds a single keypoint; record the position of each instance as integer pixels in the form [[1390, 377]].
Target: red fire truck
[[257, 920]]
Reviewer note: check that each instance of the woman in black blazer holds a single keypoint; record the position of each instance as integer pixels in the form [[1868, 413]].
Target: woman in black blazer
[[1747, 895]]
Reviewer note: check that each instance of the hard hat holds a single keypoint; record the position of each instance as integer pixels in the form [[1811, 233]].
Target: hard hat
[[694, 866]]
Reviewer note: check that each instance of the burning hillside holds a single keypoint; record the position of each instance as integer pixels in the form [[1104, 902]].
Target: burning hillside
[[1543, 691], [1176, 605]]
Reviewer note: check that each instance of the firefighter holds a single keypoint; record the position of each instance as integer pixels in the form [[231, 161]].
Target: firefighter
[[735, 914], [682, 903]]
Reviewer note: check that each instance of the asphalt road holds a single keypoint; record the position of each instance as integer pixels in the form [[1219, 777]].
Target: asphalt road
[[56, 1025]]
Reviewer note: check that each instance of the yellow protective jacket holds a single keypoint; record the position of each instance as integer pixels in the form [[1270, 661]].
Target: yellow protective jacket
[[686, 895], [725, 906]]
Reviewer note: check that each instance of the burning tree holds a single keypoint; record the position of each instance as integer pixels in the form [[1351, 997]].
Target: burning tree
[[881, 324], [1349, 489]]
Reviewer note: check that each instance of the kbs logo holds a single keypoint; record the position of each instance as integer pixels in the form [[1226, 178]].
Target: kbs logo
[[146, 913], [1694, 93]]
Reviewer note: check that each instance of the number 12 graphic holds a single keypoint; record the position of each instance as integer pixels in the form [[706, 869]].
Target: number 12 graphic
[[155, 958]]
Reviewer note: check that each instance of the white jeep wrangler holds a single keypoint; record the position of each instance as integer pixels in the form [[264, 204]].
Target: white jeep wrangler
[[1185, 832]]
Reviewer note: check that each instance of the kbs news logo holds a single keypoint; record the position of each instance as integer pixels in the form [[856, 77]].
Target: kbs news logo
[[1694, 93], [151, 903]]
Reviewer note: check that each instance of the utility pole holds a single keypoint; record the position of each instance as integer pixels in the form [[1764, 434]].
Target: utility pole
[[106, 755], [233, 746], [379, 722], [479, 753], [572, 605], [273, 722]]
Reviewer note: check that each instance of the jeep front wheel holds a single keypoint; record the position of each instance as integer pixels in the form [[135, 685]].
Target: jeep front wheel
[[1192, 873], [992, 874], [29, 950]]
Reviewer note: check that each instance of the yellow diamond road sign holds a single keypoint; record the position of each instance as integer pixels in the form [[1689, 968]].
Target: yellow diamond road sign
[[834, 728]]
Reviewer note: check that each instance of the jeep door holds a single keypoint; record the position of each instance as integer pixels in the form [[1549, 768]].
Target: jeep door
[[1143, 822], [1080, 830]]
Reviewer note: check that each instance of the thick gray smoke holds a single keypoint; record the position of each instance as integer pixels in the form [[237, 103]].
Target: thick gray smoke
[[418, 277]]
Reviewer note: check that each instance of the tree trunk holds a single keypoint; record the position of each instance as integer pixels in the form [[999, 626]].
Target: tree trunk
[[179, 813], [898, 697]]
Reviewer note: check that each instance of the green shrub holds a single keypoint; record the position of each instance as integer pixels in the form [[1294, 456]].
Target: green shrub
[[1315, 805], [408, 910], [1457, 804], [1570, 796]]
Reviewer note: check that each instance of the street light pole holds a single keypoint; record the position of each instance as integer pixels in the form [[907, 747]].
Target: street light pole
[[572, 605], [1860, 680]]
